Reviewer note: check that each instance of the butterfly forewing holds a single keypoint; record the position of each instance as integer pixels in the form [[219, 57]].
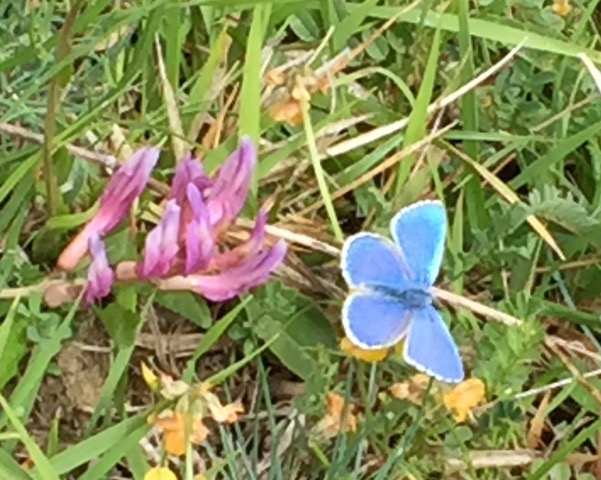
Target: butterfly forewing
[[419, 232], [370, 261]]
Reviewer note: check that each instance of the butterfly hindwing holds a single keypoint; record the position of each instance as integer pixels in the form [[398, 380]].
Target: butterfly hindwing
[[372, 320], [430, 348], [419, 232], [371, 261]]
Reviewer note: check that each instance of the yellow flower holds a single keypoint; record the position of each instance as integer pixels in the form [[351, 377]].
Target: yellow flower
[[464, 397], [223, 413], [562, 7], [173, 426], [413, 389], [184, 423], [150, 377], [333, 422], [160, 473], [370, 356]]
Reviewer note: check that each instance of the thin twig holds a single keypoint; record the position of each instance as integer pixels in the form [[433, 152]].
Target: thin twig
[[107, 161], [476, 307]]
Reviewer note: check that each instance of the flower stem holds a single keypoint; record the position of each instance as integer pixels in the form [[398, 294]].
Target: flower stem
[[319, 173], [57, 83]]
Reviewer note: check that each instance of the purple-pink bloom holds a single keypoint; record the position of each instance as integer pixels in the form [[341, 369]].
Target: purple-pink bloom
[[248, 248], [100, 273], [228, 194], [208, 206], [188, 171], [161, 247], [199, 241], [249, 274], [124, 187]]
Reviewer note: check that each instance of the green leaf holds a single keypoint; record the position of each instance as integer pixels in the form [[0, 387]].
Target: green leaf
[[250, 94], [113, 456], [71, 221], [563, 147], [222, 375], [13, 343], [301, 324], [18, 174], [211, 337], [9, 468], [488, 30], [121, 323], [25, 393], [96, 445], [304, 26], [188, 305], [43, 468], [351, 23], [552, 205], [416, 129]]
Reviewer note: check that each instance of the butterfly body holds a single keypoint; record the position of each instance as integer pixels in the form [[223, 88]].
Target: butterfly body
[[412, 297], [391, 291]]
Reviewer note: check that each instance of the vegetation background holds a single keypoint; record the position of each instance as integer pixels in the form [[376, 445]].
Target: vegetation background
[[359, 108]]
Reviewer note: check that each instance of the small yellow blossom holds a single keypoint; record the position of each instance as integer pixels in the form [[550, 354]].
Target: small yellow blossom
[[333, 422], [562, 7], [172, 389], [464, 397], [184, 423], [160, 473], [223, 413], [151, 379], [370, 356], [413, 389], [173, 426]]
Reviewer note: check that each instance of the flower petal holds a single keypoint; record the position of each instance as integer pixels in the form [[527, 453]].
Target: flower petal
[[369, 356], [229, 192], [120, 193], [188, 170], [246, 249], [161, 247], [199, 242], [125, 186], [100, 274], [465, 397], [160, 473], [253, 272]]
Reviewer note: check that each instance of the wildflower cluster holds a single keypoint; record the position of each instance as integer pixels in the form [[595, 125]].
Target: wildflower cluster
[[183, 251], [184, 422]]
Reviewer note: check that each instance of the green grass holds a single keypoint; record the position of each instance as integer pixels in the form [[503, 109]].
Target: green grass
[[518, 173]]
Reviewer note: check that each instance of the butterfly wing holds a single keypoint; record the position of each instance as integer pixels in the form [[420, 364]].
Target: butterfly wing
[[430, 347], [373, 321], [369, 260], [419, 231]]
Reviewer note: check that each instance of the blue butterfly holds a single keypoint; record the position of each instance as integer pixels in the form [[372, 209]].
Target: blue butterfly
[[392, 291]]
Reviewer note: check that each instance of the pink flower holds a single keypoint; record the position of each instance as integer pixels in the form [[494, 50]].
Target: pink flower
[[183, 251], [188, 171], [199, 239], [100, 274], [123, 189], [250, 273], [246, 249], [162, 244], [228, 194], [207, 208]]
